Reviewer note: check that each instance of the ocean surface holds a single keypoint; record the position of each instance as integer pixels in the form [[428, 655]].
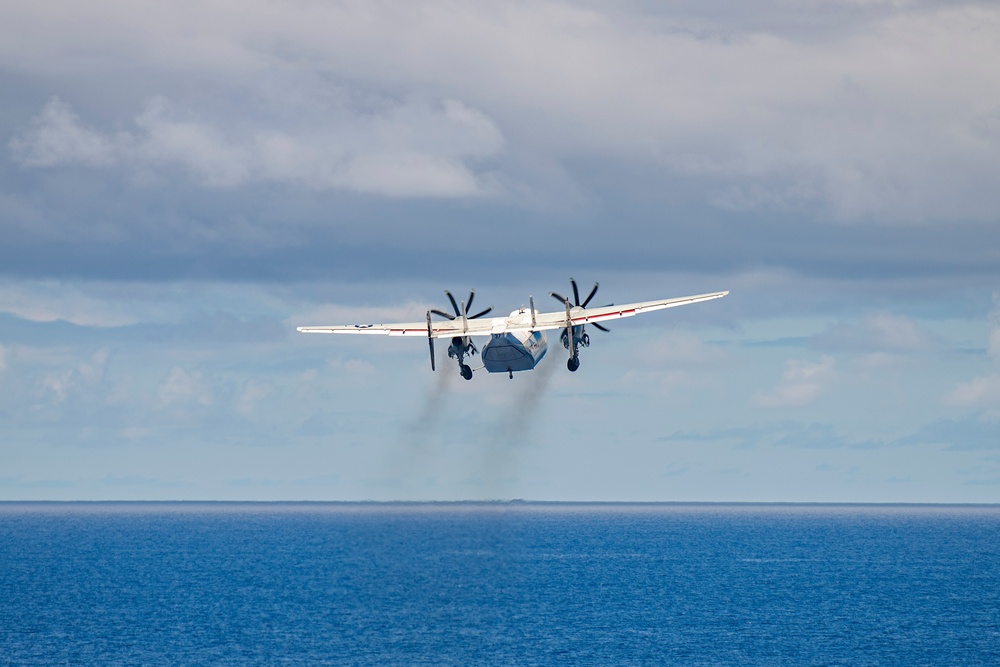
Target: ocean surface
[[498, 584]]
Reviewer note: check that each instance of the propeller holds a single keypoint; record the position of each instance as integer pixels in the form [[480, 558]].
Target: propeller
[[574, 336], [461, 342], [430, 339], [463, 310], [576, 301]]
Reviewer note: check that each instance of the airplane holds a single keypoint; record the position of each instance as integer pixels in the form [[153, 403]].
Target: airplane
[[517, 342]]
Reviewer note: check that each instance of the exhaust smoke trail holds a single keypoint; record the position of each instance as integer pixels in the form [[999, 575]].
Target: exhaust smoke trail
[[410, 451], [492, 455], [498, 463]]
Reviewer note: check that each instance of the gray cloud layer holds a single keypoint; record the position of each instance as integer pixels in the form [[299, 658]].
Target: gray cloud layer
[[411, 150], [279, 140]]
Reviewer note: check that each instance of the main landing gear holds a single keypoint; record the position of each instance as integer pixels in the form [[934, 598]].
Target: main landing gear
[[575, 336], [460, 346]]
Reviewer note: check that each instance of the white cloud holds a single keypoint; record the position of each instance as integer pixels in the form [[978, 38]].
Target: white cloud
[[896, 332], [356, 369], [802, 383], [51, 301], [682, 349], [976, 392], [59, 385], [982, 391], [673, 361], [199, 147], [182, 387], [890, 111], [56, 137], [993, 341], [410, 175], [877, 333], [249, 401], [410, 150]]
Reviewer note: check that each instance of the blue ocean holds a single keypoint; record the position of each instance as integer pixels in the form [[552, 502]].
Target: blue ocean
[[498, 584]]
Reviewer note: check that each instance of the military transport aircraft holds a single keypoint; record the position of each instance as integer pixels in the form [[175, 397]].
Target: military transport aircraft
[[517, 342]]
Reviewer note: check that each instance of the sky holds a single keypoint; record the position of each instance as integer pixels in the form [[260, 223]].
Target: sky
[[184, 183]]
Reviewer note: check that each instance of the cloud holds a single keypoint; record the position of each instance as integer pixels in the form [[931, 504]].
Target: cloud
[[975, 432], [58, 386], [791, 434], [51, 301], [183, 388], [411, 175], [357, 371], [324, 139], [408, 150], [248, 403], [877, 332], [984, 390], [993, 342], [877, 112], [683, 349], [57, 137], [802, 383], [972, 433], [866, 138], [985, 481]]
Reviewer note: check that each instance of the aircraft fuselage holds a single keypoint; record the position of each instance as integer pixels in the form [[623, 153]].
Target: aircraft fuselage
[[511, 351]]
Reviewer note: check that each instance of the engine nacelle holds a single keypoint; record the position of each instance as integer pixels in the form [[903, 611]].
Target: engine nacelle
[[580, 337]]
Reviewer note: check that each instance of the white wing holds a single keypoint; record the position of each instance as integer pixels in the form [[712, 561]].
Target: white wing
[[517, 321], [557, 319], [447, 329]]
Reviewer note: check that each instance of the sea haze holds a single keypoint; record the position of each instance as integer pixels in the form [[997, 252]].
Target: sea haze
[[498, 584]]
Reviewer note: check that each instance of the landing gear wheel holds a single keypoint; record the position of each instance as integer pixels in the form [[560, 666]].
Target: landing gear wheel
[[573, 364], [466, 371]]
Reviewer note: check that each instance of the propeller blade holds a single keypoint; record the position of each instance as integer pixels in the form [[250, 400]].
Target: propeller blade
[[576, 292], [560, 297], [590, 296], [430, 339], [601, 327], [480, 314], [569, 332], [454, 304], [442, 313], [468, 304]]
